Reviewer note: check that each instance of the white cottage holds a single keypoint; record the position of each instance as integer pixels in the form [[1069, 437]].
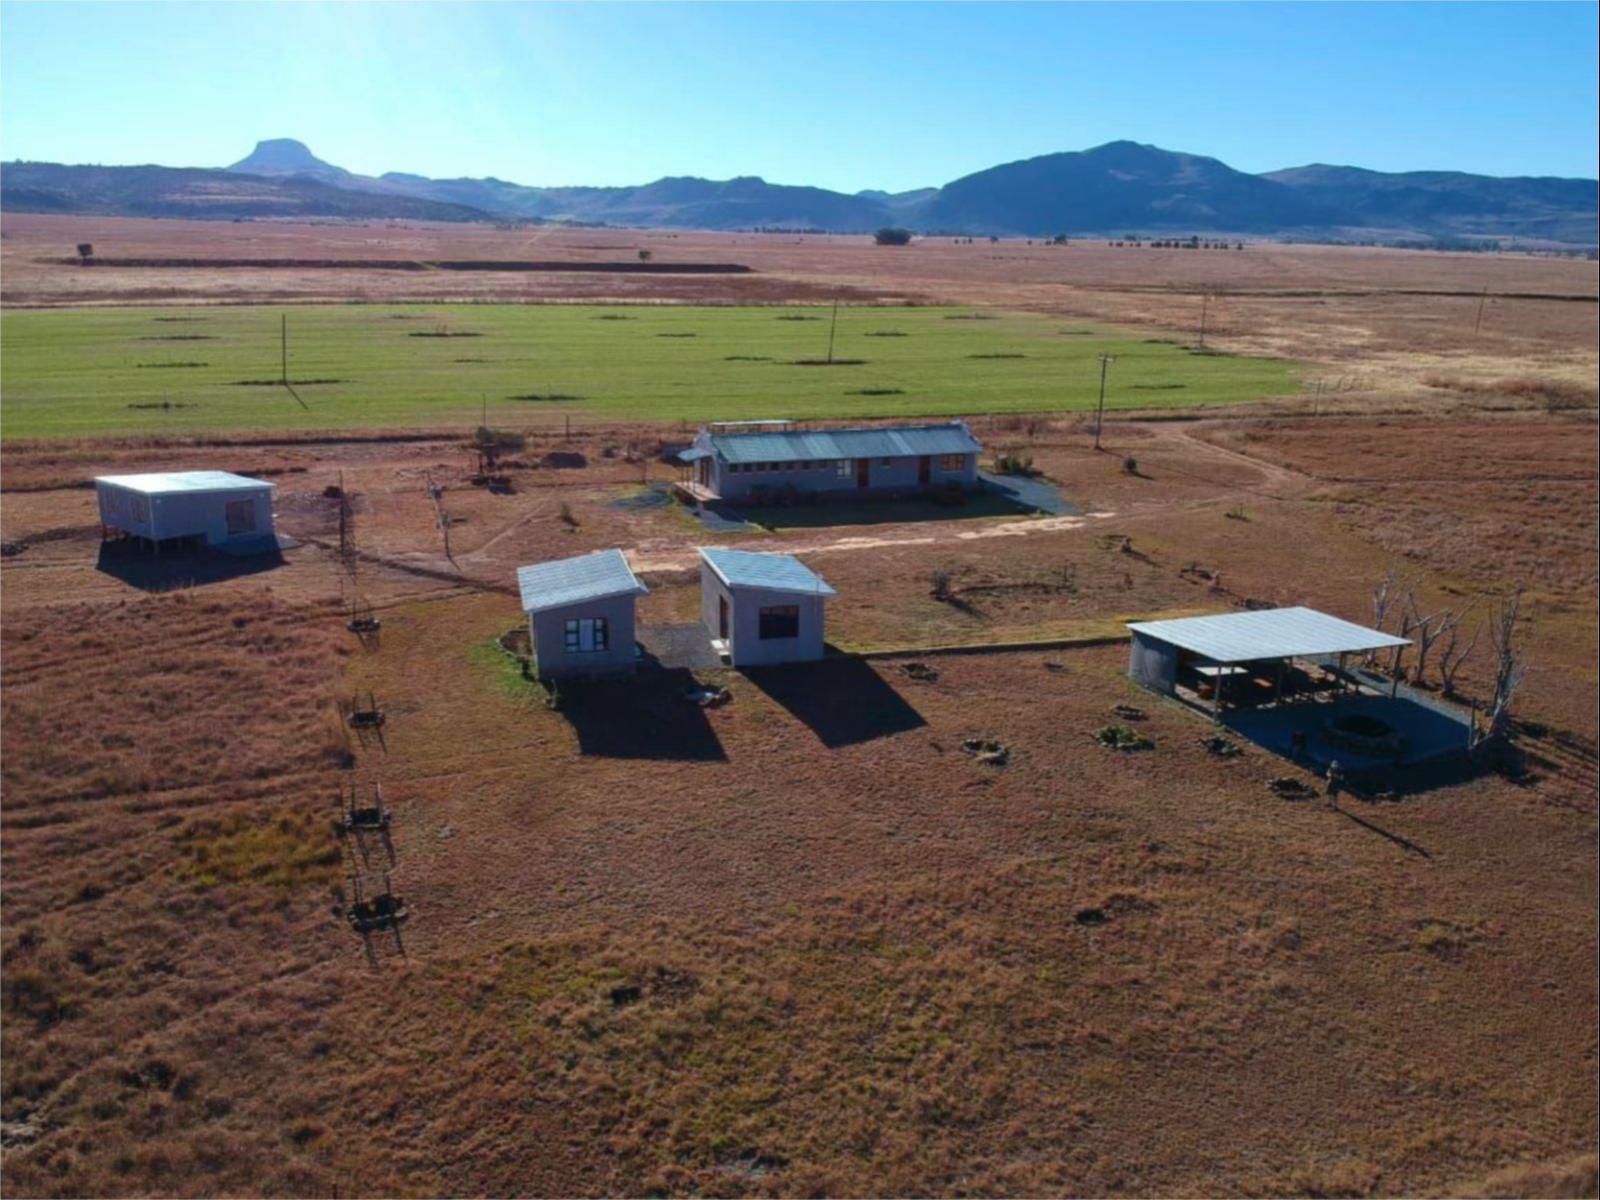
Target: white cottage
[[580, 613], [218, 508], [761, 609]]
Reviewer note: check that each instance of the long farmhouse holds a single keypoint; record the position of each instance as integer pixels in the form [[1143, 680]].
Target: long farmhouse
[[745, 464]]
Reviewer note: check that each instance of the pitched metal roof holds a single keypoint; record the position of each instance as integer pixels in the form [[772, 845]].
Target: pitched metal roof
[[161, 483], [1268, 633], [567, 581], [806, 445], [774, 572]]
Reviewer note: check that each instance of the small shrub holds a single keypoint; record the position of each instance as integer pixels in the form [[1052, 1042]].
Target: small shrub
[[1120, 737], [892, 236], [566, 517], [940, 589], [1130, 465], [1014, 462]]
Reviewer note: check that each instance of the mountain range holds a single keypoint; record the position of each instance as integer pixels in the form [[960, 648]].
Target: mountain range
[[1121, 187]]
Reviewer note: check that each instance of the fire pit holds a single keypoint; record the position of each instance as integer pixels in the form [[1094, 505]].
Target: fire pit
[[1362, 733]]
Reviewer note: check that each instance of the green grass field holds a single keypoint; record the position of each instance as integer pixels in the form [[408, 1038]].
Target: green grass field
[[78, 373]]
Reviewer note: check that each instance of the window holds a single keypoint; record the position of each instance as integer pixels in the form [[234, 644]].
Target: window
[[886, 462], [780, 621], [844, 468], [240, 516], [952, 462], [588, 635]]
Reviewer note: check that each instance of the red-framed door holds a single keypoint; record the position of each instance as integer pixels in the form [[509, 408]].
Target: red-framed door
[[863, 472]]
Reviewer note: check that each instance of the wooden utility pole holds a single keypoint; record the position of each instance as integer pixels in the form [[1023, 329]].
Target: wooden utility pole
[[1105, 361], [832, 325], [1482, 300], [283, 349], [1205, 301]]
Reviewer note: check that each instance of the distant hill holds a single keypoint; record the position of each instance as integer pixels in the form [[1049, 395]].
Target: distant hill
[[1121, 185], [1451, 202], [285, 156], [200, 192], [1109, 190]]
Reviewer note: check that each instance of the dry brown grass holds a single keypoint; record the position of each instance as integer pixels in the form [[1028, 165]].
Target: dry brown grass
[[801, 943]]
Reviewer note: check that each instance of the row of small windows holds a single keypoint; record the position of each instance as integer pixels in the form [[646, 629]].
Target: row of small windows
[[785, 466], [842, 467]]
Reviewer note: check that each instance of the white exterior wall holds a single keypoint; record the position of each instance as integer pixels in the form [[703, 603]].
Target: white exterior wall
[[119, 507], [900, 474], [746, 647], [1153, 663], [182, 514], [548, 630]]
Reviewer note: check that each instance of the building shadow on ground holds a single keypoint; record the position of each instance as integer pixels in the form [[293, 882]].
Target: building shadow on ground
[[1433, 752], [1031, 493], [840, 699], [882, 510], [139, 565], [645, 716]]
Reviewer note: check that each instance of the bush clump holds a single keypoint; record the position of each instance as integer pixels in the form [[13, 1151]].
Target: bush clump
[[1120, 737], [1014, 462]]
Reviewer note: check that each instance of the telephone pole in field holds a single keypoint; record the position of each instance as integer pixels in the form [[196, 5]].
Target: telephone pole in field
[[1105, 361]]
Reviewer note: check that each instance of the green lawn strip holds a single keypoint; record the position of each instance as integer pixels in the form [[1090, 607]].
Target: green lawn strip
[[83, 373]]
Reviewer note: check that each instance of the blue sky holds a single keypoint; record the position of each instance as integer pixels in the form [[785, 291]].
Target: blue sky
[[840, 95]]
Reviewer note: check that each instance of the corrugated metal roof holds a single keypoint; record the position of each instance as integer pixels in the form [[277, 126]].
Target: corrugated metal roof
[[775, 572], [808, 445], [1268, 633], [693, 454], [567, 581], [160, 483]]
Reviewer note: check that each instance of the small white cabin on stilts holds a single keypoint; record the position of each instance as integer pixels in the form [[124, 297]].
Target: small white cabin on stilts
[[215, 508]]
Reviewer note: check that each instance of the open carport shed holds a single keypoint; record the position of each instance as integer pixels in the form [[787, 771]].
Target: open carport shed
[[1243, 657]]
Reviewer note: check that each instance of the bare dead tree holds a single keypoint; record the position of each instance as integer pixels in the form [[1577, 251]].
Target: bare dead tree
[[1384, 594], [1509, 665], [1453, 652], [1429, 630], [1409, 620]]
